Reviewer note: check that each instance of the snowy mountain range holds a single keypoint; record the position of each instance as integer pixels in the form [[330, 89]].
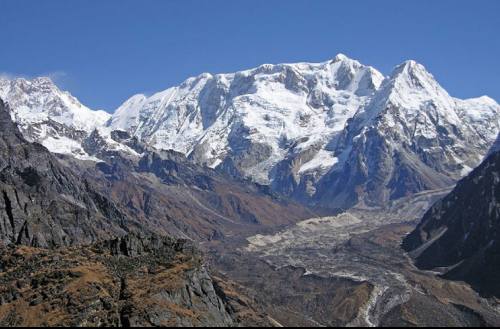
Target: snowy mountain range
[[334, 134], [55, 118]]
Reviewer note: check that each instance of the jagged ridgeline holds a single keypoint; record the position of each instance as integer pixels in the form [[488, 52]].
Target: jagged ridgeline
[[51, 201], [332, 134]]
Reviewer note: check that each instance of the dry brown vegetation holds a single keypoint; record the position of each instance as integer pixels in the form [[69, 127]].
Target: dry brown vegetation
[[89, 286]]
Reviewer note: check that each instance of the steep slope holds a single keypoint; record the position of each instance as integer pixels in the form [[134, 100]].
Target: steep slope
[[461, 233], [496, 146], [45, 203], [52, 201], [248, 122], [411, 137], [333, 134], [134, 281], [50, 116], [171, 194]]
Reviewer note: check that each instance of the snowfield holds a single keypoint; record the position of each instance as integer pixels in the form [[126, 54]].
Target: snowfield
[[300, 128]]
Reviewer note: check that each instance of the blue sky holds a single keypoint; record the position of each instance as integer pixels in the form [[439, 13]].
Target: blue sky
[[104, 51]]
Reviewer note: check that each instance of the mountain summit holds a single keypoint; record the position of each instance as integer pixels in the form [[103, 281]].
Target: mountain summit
[[411, 136], [335, 134], [47, 115], [249, 121]]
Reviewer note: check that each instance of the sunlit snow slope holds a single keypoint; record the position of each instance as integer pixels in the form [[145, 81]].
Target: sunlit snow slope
[[336, 133]]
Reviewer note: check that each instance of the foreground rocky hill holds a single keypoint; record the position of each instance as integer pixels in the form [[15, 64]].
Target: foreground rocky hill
[[460, 235], [44, 203], [136, 280]]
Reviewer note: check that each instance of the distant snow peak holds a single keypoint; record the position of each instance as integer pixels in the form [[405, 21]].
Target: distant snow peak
[[47, 115], [127, 115], [340, 57], [37, 100], [412, 73], [300, 120], [333, 133], [259, 116]]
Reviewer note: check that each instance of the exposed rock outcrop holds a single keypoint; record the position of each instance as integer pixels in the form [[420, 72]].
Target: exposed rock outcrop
[[460, 235], [44, 203], [135, 280], [49, 201]]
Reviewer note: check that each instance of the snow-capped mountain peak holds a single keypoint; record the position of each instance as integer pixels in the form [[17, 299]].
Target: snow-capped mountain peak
[[277, 106], [410, 92], [335, 133], [412, 135], [47, 115], [127, 115], [412, 75], [38, 100], [289, 125]]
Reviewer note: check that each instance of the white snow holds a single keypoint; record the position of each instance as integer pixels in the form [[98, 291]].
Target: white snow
[[34, 103], [64, 145], [411, 107], [323, 160], [289, 108], [283, 106], [127, 115]]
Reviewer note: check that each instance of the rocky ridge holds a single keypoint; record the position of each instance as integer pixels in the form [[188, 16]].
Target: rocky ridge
[[45, 203], [135, 280], [459, 235], [50, 201]]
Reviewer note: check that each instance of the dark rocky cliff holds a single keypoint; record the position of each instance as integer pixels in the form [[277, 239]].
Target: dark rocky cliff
[[48, 200], [460, 235], [44, 203]]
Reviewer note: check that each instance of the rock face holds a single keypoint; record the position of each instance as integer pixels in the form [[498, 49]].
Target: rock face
[[333, 134], [48, 201], [460, 235], [411, 137], [136, 280], [44, 203]]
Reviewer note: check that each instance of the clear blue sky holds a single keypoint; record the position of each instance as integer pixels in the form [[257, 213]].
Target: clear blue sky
[[104, 51]]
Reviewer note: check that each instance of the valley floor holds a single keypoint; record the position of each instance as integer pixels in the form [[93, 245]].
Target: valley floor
[[349, 270]]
